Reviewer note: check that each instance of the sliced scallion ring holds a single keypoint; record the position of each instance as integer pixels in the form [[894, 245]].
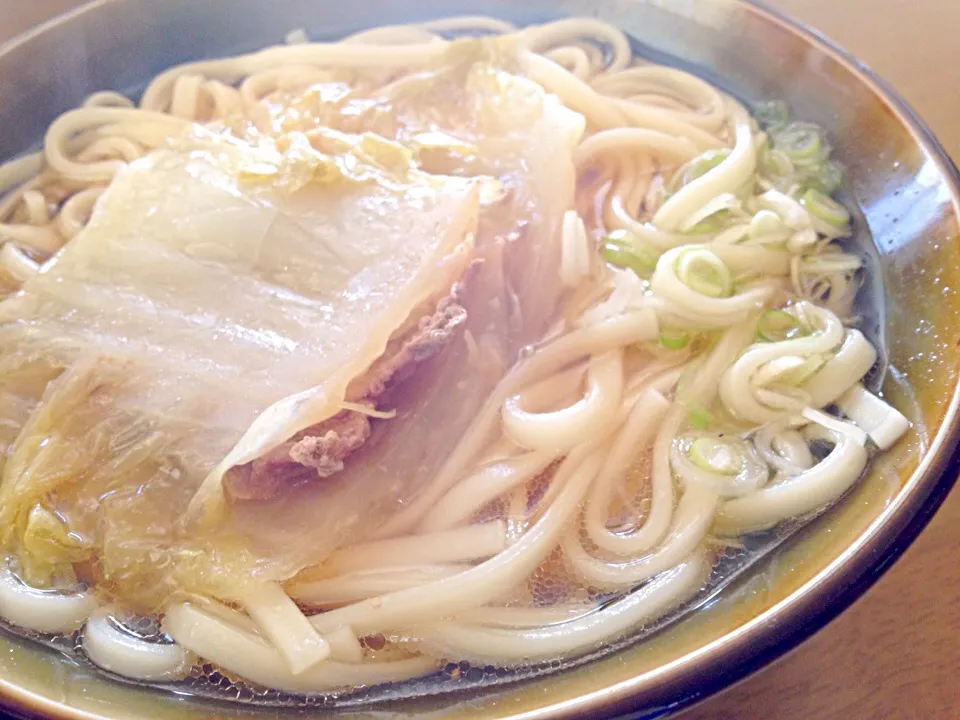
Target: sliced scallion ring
[[623, 249], [827, 178], [673, 340], [802, 142], [772, 113], [825, 208], [699, 417], [789, 371], [776, 164], [699, 166], [778, 325], [767, 227], [715, 456], [704, 273]]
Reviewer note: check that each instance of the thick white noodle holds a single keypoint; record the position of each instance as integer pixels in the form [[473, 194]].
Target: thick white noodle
[[689, 527], [122, 653], [484, 486], [626, 329], [281, 622], [810, 490], [883, 423], [239, 651], [485, 582], [641, 425], [564, 429], [727, 177], [853, 360], [484, 644], [737, 388], [462, 544], [45, 611], [346, 589]]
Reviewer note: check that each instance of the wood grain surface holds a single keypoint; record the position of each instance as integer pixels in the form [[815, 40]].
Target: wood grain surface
[[896, 653]]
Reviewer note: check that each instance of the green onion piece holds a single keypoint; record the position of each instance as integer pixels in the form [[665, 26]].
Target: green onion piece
[[704, 273], [699, 166], [715, 456], [776, 163], [772, 114], [777, 325], [715, 223], [827, 178], [803, 143], [825, 208], [789, 371], [699, 417], [767, 226], [623, 249], [673, 341]]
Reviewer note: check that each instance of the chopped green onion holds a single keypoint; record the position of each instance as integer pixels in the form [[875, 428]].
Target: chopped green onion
[[704, 273], [777, 325], [789, 371], [699, 166], [767, 227], [827, 178], [673, 341], [715, 456], [699, 417], [772, 113], [825, 208], [776, 163], [623, 249], [714, 223], [802, 142]]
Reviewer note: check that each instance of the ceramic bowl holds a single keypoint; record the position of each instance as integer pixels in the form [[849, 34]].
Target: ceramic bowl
[[907, 192]]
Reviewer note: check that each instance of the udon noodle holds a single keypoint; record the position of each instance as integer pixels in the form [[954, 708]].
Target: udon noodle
[[697, 375]]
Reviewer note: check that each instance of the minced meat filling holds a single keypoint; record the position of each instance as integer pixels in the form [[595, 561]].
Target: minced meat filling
[[320, 450]]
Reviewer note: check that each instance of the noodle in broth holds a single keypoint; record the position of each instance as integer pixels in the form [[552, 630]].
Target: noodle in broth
[[700, 379]]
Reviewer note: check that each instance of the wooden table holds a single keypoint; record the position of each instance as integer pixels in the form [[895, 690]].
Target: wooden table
[[896, 652]]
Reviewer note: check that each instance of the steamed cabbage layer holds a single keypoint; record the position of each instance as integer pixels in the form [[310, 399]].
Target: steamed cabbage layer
[[223, 297]]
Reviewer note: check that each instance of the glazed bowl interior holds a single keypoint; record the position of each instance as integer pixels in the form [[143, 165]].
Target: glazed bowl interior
[[907, 194]]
